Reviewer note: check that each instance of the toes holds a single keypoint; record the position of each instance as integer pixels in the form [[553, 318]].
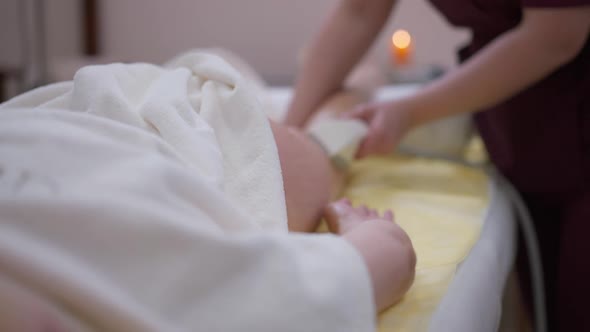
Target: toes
[[334, 211], [340, 215], [337, 209], [388, 215], [373, 213], [363, 211]]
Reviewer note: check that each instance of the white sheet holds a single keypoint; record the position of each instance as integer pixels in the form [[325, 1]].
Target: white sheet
[[474, 299], [138, 198]]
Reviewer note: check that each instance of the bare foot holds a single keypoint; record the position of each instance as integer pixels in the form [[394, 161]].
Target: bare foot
[[384, 246], [341, 216]]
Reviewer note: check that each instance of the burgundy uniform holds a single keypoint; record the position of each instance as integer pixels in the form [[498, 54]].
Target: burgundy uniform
[[540, 140]]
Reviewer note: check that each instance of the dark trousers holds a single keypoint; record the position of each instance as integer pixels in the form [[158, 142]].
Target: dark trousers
[[563, 229]]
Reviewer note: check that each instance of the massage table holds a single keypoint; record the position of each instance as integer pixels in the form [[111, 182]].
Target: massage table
[[472, 300], [475, 277]]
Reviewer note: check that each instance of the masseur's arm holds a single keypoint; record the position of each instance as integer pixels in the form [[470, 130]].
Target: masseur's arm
[[343, 40], [545, 40]]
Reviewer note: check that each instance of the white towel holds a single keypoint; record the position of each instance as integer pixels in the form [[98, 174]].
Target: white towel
[[141, 198], [201, 107]]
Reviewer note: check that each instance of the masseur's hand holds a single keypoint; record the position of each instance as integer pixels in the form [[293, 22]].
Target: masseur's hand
[[384, 246], [388, 123]]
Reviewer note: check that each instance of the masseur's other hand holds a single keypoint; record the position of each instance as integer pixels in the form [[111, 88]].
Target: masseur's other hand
[[388, 122]]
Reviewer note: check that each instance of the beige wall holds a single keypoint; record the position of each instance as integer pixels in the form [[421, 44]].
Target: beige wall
[[32, 33], [63, 28], [10, 31], [267, 33]]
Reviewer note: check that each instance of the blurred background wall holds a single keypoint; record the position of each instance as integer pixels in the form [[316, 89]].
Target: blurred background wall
[[269, 34]]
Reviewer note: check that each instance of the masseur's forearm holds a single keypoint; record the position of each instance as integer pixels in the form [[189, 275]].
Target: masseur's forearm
[[343, 40], [545, 40]]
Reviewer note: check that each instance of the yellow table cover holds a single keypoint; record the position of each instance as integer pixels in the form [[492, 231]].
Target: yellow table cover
[[441, 206]]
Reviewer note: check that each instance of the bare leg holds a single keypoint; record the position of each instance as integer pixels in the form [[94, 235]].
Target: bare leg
[[309, 178]]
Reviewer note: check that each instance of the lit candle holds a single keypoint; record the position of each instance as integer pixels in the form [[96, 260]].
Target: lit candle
[[401, 47]]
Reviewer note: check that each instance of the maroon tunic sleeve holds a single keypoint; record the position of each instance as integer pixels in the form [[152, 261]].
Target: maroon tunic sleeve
[[554, 3]]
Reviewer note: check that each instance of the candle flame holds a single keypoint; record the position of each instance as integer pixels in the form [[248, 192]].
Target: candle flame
[[401, 39]]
